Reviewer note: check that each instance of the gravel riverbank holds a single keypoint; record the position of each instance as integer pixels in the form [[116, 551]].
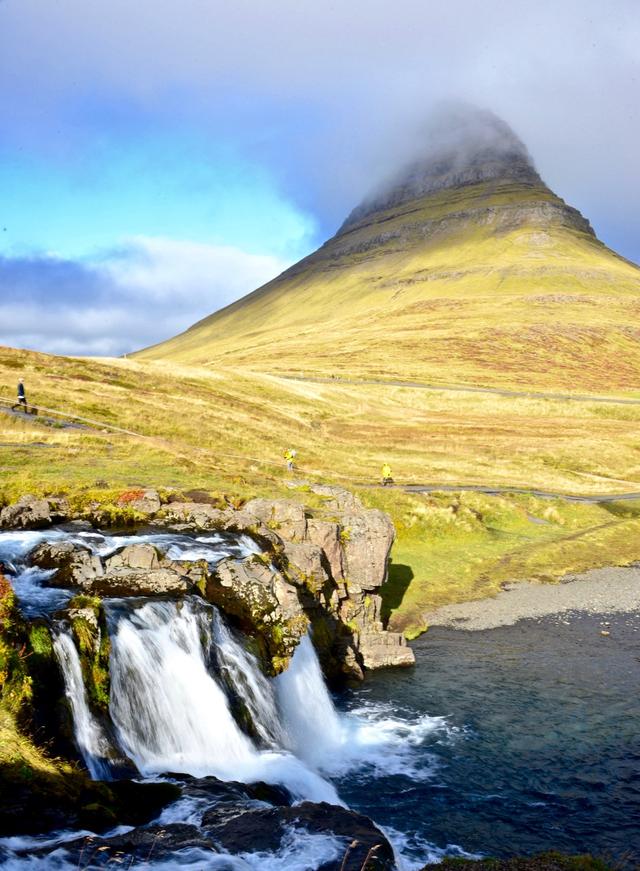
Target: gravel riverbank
[[601, 591]]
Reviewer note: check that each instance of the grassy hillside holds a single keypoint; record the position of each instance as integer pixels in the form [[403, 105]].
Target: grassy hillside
[[225, 431], [497, 283]]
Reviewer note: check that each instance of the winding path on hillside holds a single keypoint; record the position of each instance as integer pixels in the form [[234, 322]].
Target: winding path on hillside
[[457, 388], [67, 420], [524, 491]]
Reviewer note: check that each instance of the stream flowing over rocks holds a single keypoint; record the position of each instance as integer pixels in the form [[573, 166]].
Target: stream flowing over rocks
[[190, 655]]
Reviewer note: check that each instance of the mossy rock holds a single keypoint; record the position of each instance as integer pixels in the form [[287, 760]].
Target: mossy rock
[[89, 629]]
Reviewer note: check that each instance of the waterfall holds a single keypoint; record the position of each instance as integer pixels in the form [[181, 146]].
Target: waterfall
[[171, 715], [169, 712], [90, 737], [253, 692], [313, 730]]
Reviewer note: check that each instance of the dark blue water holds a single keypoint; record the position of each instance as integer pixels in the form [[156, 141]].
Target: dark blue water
[[543, 745]]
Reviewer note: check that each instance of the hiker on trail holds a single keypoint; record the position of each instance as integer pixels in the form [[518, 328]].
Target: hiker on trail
[[22, 398], [289, 456], [386, 474]]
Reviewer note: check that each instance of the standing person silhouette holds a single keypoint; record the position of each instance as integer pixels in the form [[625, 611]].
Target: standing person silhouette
[[22, 397]]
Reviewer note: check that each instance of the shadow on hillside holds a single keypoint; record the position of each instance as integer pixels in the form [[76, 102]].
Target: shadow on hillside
[[393, 590]]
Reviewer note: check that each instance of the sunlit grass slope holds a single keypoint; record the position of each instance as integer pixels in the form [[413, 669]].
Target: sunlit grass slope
[[498, 283], [225, 432]]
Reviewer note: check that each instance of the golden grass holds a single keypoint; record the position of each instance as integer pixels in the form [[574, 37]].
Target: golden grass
[[226, 430], [535, 306]]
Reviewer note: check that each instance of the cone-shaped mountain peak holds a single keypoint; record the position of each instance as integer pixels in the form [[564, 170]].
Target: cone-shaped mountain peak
[[463, 267], [463, 146]]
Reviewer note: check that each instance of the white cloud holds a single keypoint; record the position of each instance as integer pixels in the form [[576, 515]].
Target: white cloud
[[148, 290]]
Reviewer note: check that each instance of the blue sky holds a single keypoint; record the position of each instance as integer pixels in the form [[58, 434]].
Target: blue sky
[[160, 159]]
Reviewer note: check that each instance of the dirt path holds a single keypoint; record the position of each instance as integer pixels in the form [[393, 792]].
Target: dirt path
[[451, 388], [496, 491]]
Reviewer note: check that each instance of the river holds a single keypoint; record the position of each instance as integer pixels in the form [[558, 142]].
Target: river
[[518, 739]]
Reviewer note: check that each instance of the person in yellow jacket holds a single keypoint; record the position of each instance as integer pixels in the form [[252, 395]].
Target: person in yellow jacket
[[289, 457], [386, 474]]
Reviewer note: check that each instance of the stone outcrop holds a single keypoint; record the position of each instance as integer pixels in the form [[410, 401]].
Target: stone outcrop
[[74, 564], [326, 571], [322, 569], [263, 604], [29, 512], [237, 824], [134, 570], [146, 502], [265, 827]]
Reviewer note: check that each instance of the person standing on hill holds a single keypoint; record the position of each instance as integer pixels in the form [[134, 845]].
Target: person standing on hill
[[289, 456], [386, 474], [22, 397]]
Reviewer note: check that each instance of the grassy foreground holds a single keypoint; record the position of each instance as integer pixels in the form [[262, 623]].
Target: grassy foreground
[[225, 432]]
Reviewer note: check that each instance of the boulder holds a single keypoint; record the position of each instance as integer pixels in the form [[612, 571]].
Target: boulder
[[284, 516], [147, 582], [264, 604], [239, 830], [306, 565], [367, 538], [337, 498], [148, 502], [74, 564], [136, 845], [28, 512], [325, 534], [382, 649], [134, 556], [196, 514]]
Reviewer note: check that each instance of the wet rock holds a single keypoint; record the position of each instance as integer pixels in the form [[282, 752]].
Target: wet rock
[[231, 790], [137, 846], [74, 564], [264, 603], [263, 829]]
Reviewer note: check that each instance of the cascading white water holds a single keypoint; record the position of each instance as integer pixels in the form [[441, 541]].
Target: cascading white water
[[90, 737], [243, 674], [375, 738], [171, 715], [313, 730], [169, 712]]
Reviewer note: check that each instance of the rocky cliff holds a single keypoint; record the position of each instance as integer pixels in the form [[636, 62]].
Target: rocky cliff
[[321, 570]]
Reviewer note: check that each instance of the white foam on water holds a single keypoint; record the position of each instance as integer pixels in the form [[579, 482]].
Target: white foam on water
[[412, 852], [298, 851], [374, 738]]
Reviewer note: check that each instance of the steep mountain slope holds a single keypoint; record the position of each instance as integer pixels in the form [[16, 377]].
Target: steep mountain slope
[[465, 268]]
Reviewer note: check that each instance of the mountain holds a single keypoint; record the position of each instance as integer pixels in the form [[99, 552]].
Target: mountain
[[462, 268]]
